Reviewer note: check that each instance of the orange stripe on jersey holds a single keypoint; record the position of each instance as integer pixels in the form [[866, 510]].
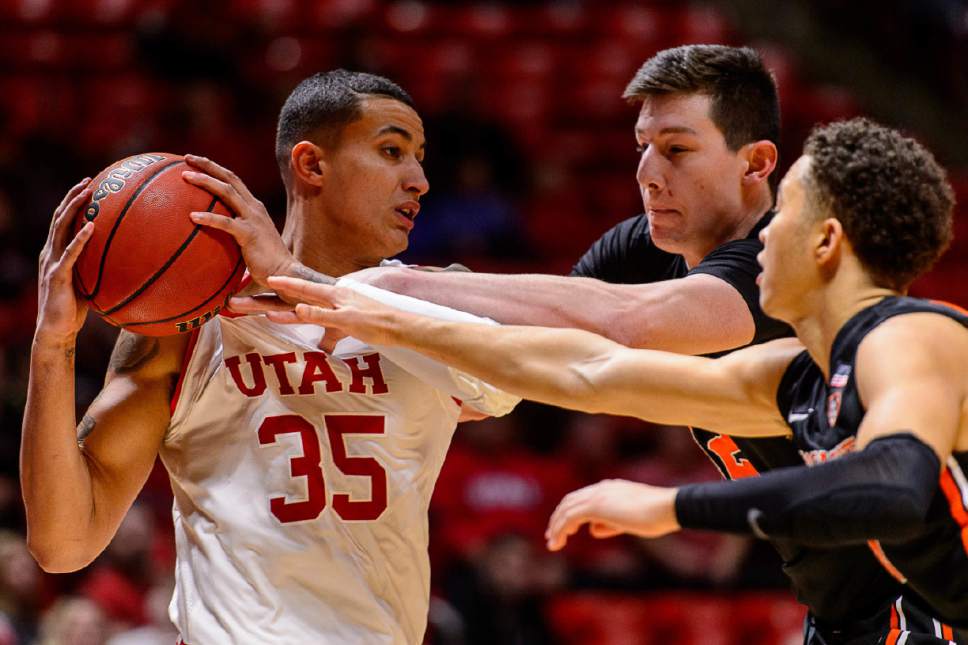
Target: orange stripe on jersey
[[184, 366], [947, 632], [892, 637], [950, 305], [875, 546], [895, 621], [950, 489]]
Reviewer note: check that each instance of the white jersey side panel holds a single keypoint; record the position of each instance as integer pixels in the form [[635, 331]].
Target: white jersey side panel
[[263, 553]]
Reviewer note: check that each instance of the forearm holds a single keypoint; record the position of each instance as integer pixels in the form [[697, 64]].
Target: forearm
[[882, 492], [564, 367], [531, 299], [55, 477]]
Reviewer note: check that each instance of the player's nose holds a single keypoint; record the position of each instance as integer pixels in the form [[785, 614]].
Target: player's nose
[[415, 180], [648, 173]]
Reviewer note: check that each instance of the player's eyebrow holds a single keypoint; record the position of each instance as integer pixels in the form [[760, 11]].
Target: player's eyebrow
[[676, 129], [395, 129]]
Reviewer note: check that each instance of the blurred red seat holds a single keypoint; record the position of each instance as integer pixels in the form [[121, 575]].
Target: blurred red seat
[[483, 21], [702, 24], [555, 20], [768, 618], [34, 50], [340, 14], [272, 15]]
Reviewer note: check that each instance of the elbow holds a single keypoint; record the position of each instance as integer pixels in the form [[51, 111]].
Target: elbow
[[58, 558]]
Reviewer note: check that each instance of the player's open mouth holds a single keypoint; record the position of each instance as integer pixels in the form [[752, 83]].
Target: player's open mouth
[[409, 210]]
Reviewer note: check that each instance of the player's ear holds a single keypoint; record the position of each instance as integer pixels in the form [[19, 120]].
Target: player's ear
[[831, 242], [306, 163], [761, 158]]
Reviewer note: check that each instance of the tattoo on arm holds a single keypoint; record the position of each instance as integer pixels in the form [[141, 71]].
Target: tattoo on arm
[[85, 427], [308, 274], [131, 352]]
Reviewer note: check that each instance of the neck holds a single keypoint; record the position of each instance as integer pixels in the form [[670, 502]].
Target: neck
[[322, 248], [754, 207], [829, 310]]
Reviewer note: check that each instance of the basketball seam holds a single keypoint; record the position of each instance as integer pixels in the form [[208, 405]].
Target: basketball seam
[[171, 260], [199, 306], [117, 222]]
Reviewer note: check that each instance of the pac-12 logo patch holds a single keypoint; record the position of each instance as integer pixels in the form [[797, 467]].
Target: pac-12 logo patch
[[838, 381]]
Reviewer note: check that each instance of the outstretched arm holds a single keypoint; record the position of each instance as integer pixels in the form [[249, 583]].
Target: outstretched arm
[[569, 368], [915, 402], [78, 480], [671, 315]]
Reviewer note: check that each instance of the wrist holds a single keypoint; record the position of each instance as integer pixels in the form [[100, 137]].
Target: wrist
[[46, 340]]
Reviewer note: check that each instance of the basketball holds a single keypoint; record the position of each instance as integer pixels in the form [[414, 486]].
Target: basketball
[[148, 267]]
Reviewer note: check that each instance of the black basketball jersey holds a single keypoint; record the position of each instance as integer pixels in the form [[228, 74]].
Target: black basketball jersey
[[821, 578], [825, 417]]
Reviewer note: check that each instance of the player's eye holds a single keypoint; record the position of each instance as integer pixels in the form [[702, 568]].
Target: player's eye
[[392, 152], [674, 150]]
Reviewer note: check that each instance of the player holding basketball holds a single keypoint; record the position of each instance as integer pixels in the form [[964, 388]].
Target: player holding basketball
[[301, 478], [877, 403]]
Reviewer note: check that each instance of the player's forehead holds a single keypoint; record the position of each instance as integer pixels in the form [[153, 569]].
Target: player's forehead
[[383, 116], [664, 114], [793, 182]]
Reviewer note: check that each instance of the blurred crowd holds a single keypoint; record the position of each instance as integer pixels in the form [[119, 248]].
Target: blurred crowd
[[530, 158]]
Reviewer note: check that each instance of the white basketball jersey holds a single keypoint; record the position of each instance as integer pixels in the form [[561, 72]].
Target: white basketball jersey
[[301, 483]]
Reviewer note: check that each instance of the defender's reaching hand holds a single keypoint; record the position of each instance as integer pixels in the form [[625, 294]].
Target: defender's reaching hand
[[335, 307], [613, 507]]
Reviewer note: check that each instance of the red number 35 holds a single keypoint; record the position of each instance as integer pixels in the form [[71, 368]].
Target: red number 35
[[308, 465]]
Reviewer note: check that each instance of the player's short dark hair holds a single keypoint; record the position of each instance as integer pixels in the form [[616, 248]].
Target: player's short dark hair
[[745, 104], [891, 197], [325, 103]]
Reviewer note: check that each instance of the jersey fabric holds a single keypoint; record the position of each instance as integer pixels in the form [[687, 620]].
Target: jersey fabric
[[301, 487], [821, 578], [825, 416]]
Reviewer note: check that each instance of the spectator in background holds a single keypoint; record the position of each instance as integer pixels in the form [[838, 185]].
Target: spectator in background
[[120, 581], [73, 621], [21, 588]]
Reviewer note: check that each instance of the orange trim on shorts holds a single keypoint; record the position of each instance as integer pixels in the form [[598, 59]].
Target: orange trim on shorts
[[947, 632], [192, 341], [950, 489], [892, 637]]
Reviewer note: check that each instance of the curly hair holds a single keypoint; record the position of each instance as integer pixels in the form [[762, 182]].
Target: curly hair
[[891, 197]]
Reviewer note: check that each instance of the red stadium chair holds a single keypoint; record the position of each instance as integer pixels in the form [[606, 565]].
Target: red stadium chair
[[643, 28], [768, 619], [483, 21], [414, 18], [700, 24], [35, 50], [333, 15], [30, 12], [555, 21]]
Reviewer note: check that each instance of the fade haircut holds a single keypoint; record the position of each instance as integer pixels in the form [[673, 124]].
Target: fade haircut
[[325, 103], [889, 194], [744, 101]]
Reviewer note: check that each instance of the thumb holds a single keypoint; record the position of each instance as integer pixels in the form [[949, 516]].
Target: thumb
[[330, 338]]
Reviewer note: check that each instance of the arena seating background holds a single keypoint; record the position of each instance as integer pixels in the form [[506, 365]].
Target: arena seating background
[[530, 158]]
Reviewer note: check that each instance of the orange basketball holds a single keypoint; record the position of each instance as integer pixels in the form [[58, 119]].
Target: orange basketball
[[148, 267]]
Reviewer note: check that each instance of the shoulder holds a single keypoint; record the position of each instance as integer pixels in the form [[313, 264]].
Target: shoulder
[[147, 357], [918, 336]]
